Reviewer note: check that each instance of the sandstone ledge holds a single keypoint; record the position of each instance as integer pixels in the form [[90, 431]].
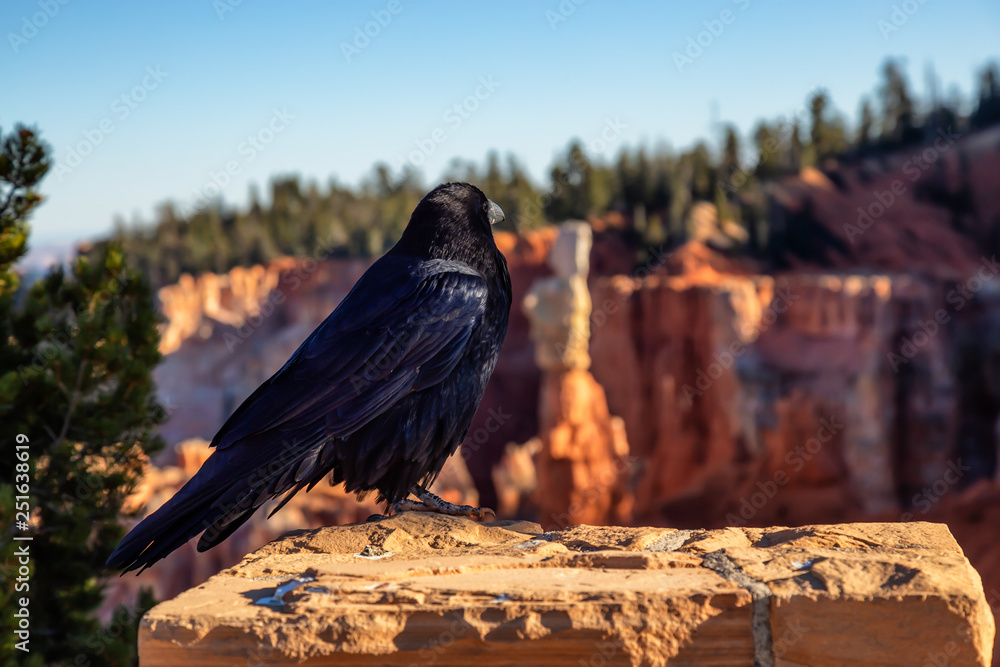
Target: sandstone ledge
[[454, 592]]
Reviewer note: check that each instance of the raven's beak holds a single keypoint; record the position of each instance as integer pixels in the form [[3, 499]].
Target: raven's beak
[[496, 213]]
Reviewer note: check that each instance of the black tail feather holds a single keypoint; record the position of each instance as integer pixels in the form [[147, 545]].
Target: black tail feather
[[207, 503], [190, 511], [223, 528]]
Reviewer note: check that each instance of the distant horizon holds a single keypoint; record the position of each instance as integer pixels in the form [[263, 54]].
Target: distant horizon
[[172, 99]]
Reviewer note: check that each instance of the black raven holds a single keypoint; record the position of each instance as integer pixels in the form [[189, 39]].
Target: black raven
[[379, 395]]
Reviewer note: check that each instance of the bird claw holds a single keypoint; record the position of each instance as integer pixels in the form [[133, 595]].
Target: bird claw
[[428, 502], [484, 513], [480, 513], [406, 505]]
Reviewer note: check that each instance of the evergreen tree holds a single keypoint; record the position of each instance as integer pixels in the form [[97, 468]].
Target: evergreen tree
[[703, 174], [730, 178], [817, 131], [796, 151], [768, 145], [730, 154], [24, 160], [898, 115], [523, 199], [494, 181], [571, 192], [76, 357], [865, 125], [988, 107], [660, 197], [827, 137]]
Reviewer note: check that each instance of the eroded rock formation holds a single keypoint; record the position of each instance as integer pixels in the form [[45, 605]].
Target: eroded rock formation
[[582, 463], [558, 307], [804, 379]]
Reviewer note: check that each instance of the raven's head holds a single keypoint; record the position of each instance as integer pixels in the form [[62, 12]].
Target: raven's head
[[453, 221]]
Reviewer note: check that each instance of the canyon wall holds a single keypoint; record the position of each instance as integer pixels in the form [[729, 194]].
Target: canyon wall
[[823, 395]]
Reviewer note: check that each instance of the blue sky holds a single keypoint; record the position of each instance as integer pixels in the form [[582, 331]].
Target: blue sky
[[233, 93]]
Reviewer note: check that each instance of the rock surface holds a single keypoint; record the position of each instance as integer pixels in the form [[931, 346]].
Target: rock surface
[[421, 589]]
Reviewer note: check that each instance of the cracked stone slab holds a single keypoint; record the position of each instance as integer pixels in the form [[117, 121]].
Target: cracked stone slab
[[456, 592]]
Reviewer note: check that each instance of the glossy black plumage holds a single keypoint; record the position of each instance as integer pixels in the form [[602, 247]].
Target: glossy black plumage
[[380, 394]]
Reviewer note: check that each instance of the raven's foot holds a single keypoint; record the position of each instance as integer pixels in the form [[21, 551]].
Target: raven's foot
[[428, 502]]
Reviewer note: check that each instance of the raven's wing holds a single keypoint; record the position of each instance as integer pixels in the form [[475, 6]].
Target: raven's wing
[[402, 328]]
